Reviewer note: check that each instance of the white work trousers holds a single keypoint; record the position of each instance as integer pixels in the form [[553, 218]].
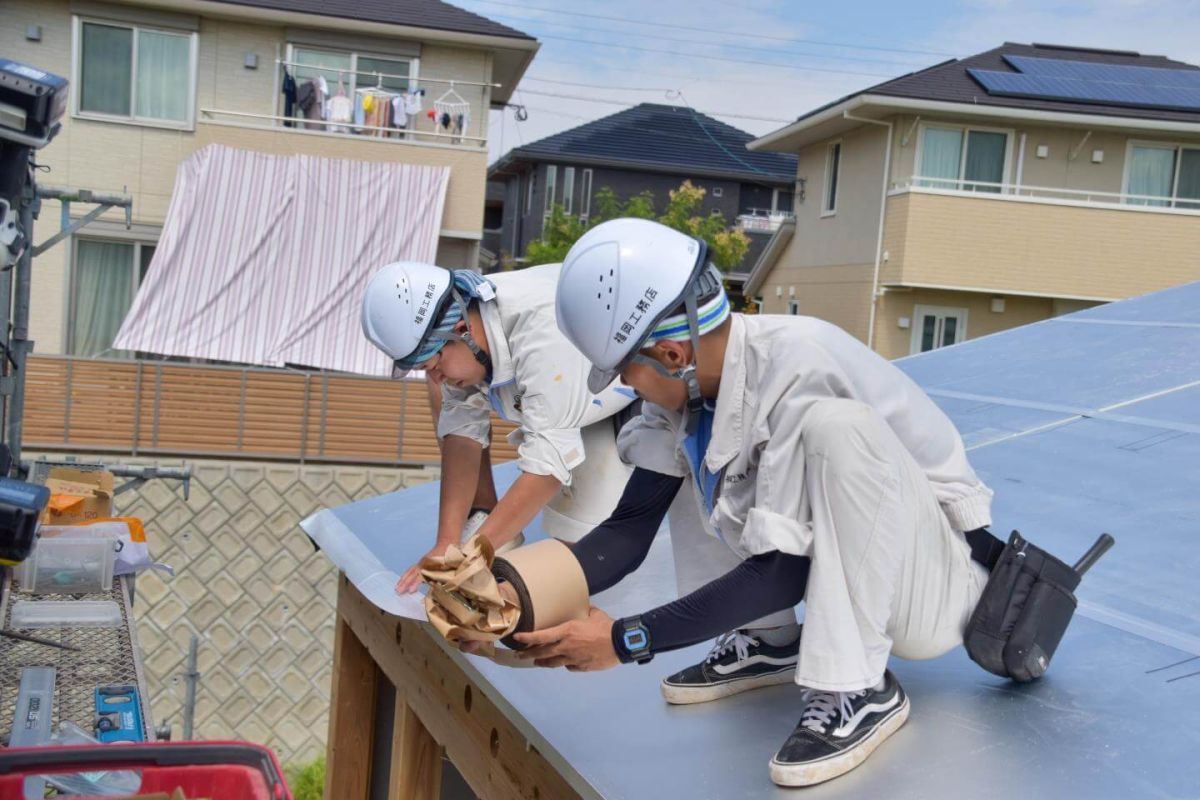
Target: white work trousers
[[596, 486], [889, 574]]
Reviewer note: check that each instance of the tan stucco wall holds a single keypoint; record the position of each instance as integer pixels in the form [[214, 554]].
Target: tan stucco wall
[[837, 294], [114, 157], [1023, 247], [892, 341]]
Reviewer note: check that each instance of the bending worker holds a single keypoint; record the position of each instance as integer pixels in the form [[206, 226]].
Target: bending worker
[[827, 475], [492, 343]]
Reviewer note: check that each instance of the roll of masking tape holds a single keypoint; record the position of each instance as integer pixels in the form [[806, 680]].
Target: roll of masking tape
[[549, 583]]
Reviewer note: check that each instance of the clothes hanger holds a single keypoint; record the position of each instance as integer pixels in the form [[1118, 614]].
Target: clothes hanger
[[454, 96]]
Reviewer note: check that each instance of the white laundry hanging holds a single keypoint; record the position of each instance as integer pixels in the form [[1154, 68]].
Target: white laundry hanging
[[453, 113]]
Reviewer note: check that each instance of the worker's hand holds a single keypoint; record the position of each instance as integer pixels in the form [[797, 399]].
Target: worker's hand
[[411, 578], [581, 645]]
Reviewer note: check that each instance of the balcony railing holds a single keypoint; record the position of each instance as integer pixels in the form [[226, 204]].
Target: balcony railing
[[150, 407], [763, 221], [369, 133], [1050, 194]]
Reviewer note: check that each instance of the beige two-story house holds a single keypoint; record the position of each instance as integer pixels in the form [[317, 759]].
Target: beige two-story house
[[989, 192], [153, 81]]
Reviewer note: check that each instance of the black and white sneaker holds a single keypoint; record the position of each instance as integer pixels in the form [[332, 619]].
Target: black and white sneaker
[[737, 662], [837, 731]]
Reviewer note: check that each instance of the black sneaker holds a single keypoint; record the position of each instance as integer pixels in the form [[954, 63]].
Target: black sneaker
[[837, 731], [737, 662]]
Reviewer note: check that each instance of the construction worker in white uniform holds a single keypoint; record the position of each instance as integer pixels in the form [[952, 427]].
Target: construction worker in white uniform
[[491, 344], [824, 474]]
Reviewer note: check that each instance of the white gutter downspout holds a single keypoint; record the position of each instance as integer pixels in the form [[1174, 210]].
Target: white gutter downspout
[[887, 176]]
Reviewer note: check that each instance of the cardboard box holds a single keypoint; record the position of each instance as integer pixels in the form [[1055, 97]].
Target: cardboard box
[[78, 495]]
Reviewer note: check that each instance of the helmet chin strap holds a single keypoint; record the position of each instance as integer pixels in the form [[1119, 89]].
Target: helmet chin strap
[[687, 374], [466, 338]]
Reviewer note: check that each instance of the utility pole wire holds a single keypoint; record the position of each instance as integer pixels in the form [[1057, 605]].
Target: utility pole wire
[[762, 36]]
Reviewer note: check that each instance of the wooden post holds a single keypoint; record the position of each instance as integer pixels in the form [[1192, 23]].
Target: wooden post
[[351, 717], [438, 708], [416, 772]]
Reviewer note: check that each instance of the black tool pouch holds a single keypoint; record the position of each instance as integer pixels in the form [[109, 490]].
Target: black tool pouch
[[1025, 609]]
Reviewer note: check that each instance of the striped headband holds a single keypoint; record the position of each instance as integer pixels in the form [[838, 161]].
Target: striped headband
[[675, 327]]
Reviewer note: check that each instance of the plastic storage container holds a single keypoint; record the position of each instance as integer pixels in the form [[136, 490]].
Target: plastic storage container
[[66, 614], [69, 565]]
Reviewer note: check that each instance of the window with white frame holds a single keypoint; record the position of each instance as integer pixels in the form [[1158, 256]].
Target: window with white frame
[[530, 190], [937, 326], [135, 73], [568, 189], [585, 195], [551, 186], [963, 158], [833, 173], [105, 276], [355, 70], [1169, 172]]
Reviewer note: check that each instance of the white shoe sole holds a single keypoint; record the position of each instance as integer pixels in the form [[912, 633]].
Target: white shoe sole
[[511, 544], [829, 768], [686, 695]]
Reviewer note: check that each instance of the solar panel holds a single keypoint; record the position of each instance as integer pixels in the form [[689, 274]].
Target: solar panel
[[1105, 73], [1090, 90]]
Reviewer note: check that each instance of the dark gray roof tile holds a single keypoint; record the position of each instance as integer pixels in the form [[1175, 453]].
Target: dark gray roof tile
[[662, 137], [949, 81]]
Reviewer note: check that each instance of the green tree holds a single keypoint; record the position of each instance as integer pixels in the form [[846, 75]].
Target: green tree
[[726, 246]]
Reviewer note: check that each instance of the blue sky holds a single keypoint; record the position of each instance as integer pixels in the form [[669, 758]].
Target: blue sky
[[805, 53]]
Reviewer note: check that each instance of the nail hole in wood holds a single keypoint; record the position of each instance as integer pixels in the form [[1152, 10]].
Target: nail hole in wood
[[467, 698], [399, 631], [495, 744]]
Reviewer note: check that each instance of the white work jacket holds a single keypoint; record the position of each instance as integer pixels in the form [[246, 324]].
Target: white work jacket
[[539, 379], [775, 368]]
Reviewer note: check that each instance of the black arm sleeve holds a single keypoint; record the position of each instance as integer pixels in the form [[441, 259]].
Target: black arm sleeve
[[619, 545], [756, 587]]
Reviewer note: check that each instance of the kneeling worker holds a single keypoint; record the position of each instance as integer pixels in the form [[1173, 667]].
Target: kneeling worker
[[492, 343], [825, 470]]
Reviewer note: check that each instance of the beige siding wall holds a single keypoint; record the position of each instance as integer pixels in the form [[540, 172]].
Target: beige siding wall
[[838, 294], [849, 235], [108, 156], [1025, 247], [892, 341], [1057, 170]]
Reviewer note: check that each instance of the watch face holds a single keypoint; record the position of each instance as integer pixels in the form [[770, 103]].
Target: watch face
[[635, 640]]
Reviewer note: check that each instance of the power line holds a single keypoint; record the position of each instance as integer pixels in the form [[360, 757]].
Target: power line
[[706, 42], [597, 85], [678, 54], [688, 78], [557, 113], [763, 36], [731, 115]]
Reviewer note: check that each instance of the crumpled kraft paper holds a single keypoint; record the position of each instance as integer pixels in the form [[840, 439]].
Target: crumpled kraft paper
[[464, 602]]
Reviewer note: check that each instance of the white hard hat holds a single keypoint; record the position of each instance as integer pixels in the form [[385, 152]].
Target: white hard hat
[[401, 305], [618, 282]]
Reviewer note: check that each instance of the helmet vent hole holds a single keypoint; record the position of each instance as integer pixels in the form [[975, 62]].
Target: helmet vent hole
[[608, 308], [597, 295]]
